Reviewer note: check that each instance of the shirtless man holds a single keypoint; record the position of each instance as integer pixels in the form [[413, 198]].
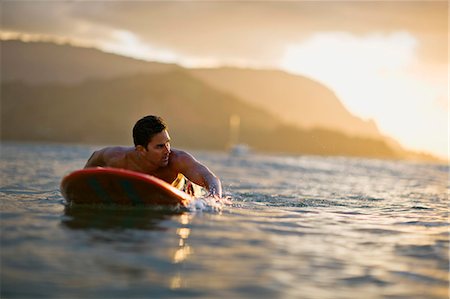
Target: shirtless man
[[152, 155]]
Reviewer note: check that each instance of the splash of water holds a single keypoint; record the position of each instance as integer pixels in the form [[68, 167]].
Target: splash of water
[[209, 204]]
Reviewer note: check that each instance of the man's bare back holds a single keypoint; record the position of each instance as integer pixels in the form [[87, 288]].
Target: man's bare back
[[158, 159]]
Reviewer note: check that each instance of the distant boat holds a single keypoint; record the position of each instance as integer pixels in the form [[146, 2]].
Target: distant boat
[[236, 148], [239, 149]]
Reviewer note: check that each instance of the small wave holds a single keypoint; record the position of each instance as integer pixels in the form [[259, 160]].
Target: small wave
[[365, 279], [420, 277], [423, 223], [420, 208], [363, 198], [378, 231], [432, 252], [22, 191]]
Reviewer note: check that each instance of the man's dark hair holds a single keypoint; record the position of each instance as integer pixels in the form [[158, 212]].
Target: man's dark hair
[[146, 128]]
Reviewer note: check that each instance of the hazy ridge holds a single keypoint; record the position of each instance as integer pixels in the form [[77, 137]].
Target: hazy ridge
[[297, 100], [62, 93]]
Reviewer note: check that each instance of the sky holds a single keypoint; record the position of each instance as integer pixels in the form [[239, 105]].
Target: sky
[[385, 60]]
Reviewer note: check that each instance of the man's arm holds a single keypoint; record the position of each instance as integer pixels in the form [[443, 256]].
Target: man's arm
[[199, 174]]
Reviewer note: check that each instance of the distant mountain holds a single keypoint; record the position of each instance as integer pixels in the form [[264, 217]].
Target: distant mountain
[[63, 93], [104, 111], [297, 100], [44, 62], [294, 99]]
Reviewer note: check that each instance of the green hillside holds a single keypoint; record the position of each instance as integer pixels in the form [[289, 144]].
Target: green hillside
[[297, 100], [104, 111]]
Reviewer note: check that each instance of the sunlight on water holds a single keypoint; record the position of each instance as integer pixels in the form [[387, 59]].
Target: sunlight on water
[[297, 227]]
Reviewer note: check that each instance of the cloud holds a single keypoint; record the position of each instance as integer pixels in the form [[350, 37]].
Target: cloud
[[252, 31]]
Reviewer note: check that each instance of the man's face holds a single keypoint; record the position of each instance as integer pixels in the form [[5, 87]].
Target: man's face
[[158, 149]]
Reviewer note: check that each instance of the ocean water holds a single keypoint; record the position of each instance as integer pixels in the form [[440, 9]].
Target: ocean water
[[298, 227]]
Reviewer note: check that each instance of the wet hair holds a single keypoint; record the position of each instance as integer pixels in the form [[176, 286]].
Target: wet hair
[[146, 128]]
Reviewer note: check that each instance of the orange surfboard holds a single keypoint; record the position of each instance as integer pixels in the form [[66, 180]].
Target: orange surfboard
[[118, 186]]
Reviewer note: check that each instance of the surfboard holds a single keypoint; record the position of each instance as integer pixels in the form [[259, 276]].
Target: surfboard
[[121, 187]]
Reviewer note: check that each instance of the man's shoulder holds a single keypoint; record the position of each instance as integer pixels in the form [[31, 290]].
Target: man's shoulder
[[113, 154], [107, 157], [114, 150], [180, 154], [180, 158]]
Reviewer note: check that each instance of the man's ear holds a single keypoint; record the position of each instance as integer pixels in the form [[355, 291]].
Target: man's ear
[[140, 148]]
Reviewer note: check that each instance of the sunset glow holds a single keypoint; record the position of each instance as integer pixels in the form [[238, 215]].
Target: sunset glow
[[377, 77]]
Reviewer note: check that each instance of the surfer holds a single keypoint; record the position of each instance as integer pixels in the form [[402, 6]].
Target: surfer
[[153, 155]]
